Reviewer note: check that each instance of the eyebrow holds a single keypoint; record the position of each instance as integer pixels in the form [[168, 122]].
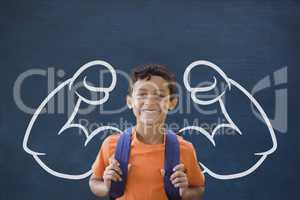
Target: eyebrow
[[141, 89], [144, 90]]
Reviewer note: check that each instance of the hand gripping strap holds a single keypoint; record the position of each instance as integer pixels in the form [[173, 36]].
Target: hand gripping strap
[[122, 154], [172, 158]]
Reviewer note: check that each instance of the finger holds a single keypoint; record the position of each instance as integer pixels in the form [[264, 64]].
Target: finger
[[181, 185], [162, 172], [179, 180], [177, 174], [117, 169], [179, 167], [113, 166], [180, 192], [117, 177], [109, 172], [107, 181], [113, 161], [109, 167], [109, 177], [129, 166], [111, 158], [114, 176]]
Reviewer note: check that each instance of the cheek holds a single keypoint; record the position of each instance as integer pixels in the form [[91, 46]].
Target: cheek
[[137, 107], [164, 106]]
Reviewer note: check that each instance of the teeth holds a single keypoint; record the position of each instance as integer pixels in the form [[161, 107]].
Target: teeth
[[150, 111]]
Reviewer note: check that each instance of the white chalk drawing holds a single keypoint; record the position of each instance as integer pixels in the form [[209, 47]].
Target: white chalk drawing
[[69, 83], [210, 136], [69, 123]]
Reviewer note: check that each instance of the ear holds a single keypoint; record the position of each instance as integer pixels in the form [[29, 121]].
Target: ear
[[173, 102], [129, 101]]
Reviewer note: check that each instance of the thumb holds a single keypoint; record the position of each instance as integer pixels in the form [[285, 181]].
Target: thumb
[[162, 171], [129, 166], [180, 192], [107, 183]]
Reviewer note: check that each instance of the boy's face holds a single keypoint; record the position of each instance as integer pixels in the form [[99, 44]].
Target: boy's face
[[151, 100]]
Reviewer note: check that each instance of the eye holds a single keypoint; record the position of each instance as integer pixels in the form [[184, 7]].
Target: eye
[[141, 95], [159, 96]]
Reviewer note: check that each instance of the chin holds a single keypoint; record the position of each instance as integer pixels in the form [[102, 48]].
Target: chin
[[150, 122]]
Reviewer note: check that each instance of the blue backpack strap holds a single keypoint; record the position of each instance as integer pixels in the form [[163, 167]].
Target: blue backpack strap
[[122, 154], [172, 158]]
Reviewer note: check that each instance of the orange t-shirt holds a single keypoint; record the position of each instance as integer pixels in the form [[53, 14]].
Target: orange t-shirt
[[144, 179]]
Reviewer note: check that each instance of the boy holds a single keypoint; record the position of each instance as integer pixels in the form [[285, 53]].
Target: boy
[[151, 95]]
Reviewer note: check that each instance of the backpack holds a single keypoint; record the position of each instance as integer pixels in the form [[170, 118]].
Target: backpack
[[172, 158]]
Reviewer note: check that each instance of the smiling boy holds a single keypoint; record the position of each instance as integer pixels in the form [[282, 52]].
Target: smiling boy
[[151, 95]]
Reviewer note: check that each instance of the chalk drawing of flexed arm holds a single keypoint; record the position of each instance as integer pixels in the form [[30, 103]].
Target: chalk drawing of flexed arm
[[230, 83], [69, 84]]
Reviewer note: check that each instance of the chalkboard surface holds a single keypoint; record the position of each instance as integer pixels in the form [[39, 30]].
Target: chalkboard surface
[[43, 43]]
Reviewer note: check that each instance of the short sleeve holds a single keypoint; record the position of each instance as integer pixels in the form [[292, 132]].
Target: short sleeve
[[102, 159], [194, 172]]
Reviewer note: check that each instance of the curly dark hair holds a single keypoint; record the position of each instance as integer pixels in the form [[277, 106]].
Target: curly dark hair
[[145, 71]]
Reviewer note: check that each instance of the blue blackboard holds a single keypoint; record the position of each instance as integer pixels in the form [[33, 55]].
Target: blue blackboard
[[43, 43]]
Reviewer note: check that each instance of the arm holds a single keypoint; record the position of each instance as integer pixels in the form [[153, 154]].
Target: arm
[[193, 193], [98, 187], [101, 186], [187, 192]]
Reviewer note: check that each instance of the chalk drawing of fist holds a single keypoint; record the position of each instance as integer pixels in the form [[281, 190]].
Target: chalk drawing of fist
[[81, 75], [230, 122]]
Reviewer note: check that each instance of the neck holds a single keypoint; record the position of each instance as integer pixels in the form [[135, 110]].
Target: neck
[[150, 134]]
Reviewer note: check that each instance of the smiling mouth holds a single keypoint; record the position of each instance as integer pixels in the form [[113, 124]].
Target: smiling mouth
[[157, 110], [150, 111]]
